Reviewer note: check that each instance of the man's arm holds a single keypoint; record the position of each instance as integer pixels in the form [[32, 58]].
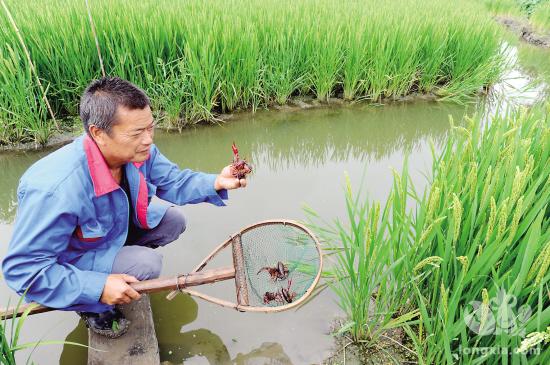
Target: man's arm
[[43, 227], [182, 186]]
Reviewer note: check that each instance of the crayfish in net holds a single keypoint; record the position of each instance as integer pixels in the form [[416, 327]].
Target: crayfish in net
[[281, 296], [239, 168], [270, 296], [279, 272]]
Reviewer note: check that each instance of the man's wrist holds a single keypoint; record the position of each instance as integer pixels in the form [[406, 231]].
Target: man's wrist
[[217, 185]]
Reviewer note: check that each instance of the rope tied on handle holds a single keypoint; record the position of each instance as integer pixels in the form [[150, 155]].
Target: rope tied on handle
[[183, 285]]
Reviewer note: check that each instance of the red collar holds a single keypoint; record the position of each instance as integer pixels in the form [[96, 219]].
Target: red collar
[[102, 179]]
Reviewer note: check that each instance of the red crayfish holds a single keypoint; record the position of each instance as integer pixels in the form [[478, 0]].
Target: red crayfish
[[239, 168], [270, 296], [281, 296], [279, 272], [288, 295]]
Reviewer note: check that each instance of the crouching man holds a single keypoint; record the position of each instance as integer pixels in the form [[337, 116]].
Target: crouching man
[[85, 226]]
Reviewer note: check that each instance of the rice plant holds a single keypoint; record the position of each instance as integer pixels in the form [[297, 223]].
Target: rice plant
[[368, 271], [471, 256], [485, 220], [202, 58]]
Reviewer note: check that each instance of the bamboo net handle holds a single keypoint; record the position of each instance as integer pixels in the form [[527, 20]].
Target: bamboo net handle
[[200, 266], [143, 287]]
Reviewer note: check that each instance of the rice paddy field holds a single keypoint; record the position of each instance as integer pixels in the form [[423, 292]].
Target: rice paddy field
[[434, 215], [197, 59]]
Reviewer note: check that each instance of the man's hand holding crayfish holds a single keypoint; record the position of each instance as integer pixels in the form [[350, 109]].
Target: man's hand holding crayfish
[[233, 176]]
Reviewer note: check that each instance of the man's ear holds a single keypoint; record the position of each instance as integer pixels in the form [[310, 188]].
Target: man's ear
[[97, 134]]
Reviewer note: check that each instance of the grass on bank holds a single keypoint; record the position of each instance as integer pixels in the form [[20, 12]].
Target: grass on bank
[[10, 331], [199, 58], [471, 256]]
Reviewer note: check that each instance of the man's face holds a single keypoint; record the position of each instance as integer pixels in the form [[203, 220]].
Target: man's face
[[130, 138]]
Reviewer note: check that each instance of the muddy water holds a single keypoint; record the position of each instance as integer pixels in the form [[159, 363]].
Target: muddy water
[[300, 158]]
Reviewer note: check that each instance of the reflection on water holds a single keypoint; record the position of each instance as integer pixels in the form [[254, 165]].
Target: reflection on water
[[535, 61], [308, 138], [12, 166], [75, 354], [267, 353], [176, 344], [526, 82]]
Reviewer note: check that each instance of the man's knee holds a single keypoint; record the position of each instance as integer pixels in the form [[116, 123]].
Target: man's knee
[[141, 262], [148, 264], [173, 223], [152, 265]]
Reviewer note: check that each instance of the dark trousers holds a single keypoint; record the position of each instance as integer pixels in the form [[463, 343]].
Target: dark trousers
[[138, 256]]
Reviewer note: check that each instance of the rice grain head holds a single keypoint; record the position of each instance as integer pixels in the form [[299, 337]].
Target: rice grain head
[[457, 217], [533, 339], [429, 230], [538, 264], [502, 219], [444, 300], [517, 185], [509, 133], [545, 261], [492, 219], [471, 180], [487, 182], [375, 218], [432, 260], [464, 261], [479, 250], [433, 201], [518, 211], [484, 309], [368, 240]]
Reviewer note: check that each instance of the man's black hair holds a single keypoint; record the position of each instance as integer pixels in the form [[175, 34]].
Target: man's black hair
[[100, 100]]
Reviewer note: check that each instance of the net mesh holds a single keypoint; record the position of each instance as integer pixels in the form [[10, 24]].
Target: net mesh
[[281, 263]]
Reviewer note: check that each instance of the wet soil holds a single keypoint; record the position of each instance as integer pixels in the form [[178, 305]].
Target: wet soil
[[391, 348], [57, 140], [525, 31]]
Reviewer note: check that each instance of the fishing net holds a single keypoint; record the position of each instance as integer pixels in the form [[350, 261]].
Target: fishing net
[[281, 263]]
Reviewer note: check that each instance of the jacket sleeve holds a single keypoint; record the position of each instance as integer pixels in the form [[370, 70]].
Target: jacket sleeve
[[43, 227], [182, 186]]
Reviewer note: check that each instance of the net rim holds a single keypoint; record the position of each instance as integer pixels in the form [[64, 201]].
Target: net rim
[[315, 281], [242, 308]]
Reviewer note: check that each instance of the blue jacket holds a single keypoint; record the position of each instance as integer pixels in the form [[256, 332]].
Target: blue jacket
[[72, 220]]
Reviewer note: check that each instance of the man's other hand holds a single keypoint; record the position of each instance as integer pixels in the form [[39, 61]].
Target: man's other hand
[[226, 180], [118, 291]]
